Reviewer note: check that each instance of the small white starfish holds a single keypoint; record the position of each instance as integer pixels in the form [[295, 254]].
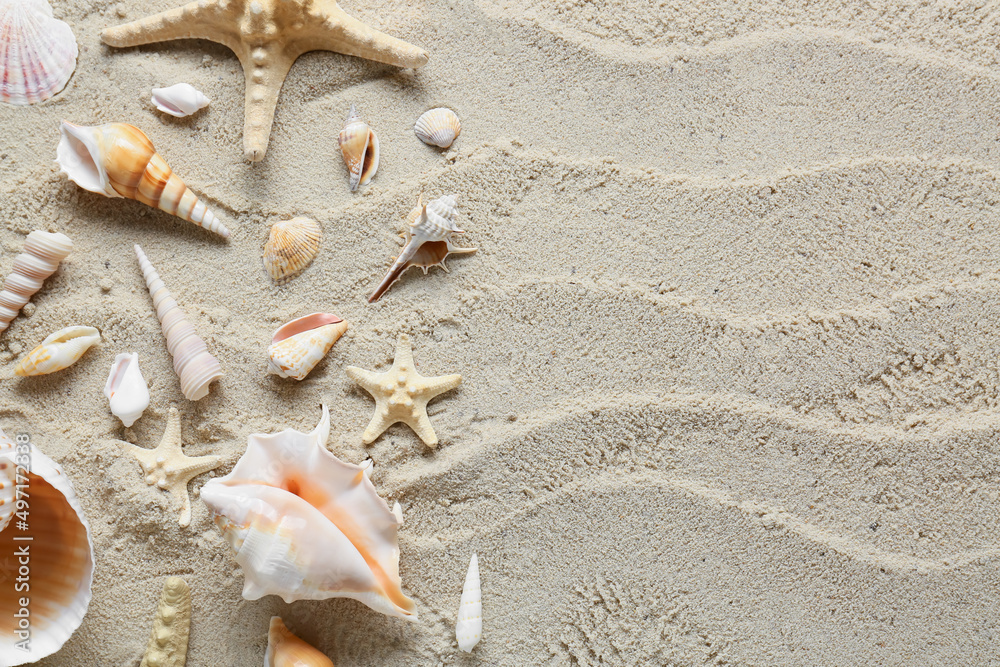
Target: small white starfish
[[168, 468]]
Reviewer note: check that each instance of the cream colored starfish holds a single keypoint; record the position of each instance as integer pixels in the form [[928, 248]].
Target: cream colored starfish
[[168, 468], [267, 36], [401, 394]]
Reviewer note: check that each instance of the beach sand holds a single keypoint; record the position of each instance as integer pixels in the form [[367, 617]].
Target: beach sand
[[729, 342]]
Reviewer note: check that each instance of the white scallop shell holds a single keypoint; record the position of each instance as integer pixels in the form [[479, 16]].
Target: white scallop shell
[[126, 389], [180, 99], [39, 52], [438, 127], [469, 628]]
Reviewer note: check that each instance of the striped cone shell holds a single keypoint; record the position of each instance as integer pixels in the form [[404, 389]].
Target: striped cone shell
[[40, 258]]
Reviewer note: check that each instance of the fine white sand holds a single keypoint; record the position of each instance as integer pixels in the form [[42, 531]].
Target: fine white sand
[[729, 344]]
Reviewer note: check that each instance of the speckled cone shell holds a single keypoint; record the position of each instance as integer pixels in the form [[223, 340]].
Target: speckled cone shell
[[118, 160], [194, 365], [469, 628], [169, 640], [438, 127], [359, 146], [286, 650], [61, 559], [59, 350], [291, 246], [39, 52], [299, 345], [41, 256]]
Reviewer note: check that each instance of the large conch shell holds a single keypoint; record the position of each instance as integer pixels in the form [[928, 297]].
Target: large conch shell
[[286, 650], [59, 561], [126, 389], [298, 346], [359, 146], [469, 627], [59, 350], [39, 52], [169, 640], [194, 365], [179, 100], [304, 525], [40, 258], [427, 240], [118, 160]]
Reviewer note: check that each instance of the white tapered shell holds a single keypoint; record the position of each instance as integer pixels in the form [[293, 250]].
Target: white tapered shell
[[126, 389], [290, 247], [61, 559], [284, 649], [469, 628], [305, 525], [196, 368], [179, 100], [38, 52], [359, 146], [119, 160], [298, 346], [59, 350], [40, 258], [438, 127], [168, 642]]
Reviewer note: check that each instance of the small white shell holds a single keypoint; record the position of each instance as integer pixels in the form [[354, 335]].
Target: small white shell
[[58, 351], [438, 127], [299, 345], [39, 52], [469, 628], [126, 389], [180, 99]]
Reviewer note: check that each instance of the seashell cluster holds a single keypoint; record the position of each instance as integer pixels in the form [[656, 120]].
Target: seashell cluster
[[58, 351], [193, 364], [39, 52], [305, 525], [290, 247], [168, 643], [179, 100], [469, 627], [62, 556], [119, 160], [286, 650], [40, 258], [298, 346], [427, 240], [126, 389], [359, 146], [438, 127]]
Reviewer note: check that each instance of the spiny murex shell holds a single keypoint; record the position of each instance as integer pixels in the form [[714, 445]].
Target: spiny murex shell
[[307, 526], [61, 555], [43, 251], [179, 100], [438, 127], [58, 351], [39, 52], [298, 346], [126, 389], [284, 649], [119, 160], [169, 640], [469, 628], [290, 247], [359, 146]]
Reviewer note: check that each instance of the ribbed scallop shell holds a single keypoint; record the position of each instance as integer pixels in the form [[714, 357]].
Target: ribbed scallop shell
[[291, 246], [360, 148], [61, 562], [59, 350], [39, 52], [438, 127], [300, 344], [41, 256], [284, 649]]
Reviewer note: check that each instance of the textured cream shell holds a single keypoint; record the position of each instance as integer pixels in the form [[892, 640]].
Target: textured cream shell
[[126, 389], [291, 246], [179, 100], [169, 640], [469, 628], [39, 52], [360, 149], [62, 561], [299, 345], [59, 350], [438, 127], [41, 256], [284, 649]]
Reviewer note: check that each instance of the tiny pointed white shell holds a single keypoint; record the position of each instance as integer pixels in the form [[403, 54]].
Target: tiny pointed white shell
[[126, 389], [179, 100], [438, 127], [39, 52], [469, 628]]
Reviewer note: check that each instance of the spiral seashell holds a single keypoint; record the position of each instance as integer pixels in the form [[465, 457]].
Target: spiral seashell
[[60, 553], [299, 345], [40, 258], [58, 351], [39, 52], [118, 160], [427, 240], [126, 389], [291, 246], [469, 628], [179, 100], [286, 650], [438, 127], [196, 368], [169, 641], [359, 146]]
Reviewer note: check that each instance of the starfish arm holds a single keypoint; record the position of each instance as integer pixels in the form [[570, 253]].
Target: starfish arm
[[180, 493], [379, 423], [404, 353], [421, 425], [265, 69], [438, 385], [369, 381], [196, 20], [146, 457], [345, 34]]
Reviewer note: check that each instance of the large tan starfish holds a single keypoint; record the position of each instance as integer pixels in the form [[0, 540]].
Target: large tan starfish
[[168, 468], [267, 36], [401, 394]]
